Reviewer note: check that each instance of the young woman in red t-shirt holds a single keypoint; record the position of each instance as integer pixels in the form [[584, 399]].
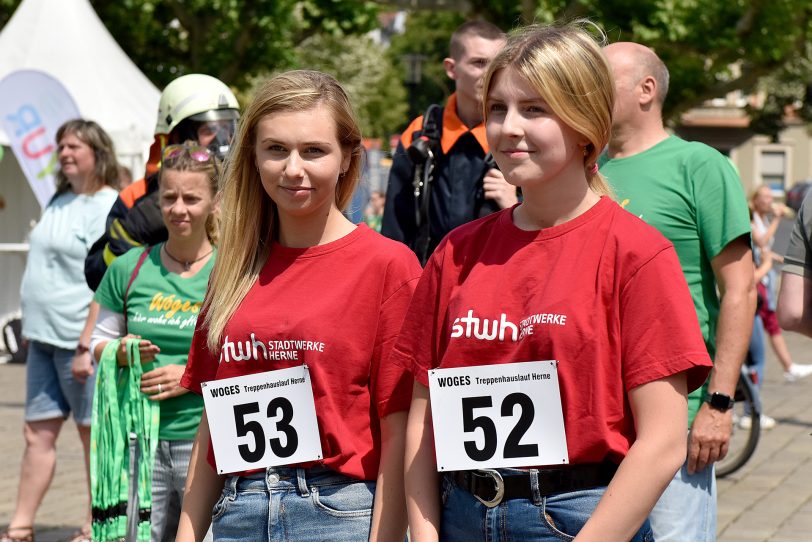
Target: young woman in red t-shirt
[[296, 284], [566, 275]]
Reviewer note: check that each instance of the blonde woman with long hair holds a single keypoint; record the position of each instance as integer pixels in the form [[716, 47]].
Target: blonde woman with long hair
[[568, 276], [298, 284]]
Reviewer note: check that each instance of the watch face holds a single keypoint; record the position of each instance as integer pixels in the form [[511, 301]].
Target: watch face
[[721, 401]]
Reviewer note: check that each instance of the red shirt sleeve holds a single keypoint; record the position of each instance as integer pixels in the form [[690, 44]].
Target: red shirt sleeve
[[660, 333], [413, 350], [391, 384], [202, 364]]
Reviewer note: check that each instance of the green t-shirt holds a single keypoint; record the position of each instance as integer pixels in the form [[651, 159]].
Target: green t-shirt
[[692, 194], [161, 307]]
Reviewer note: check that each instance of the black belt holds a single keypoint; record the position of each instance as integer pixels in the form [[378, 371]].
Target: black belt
[[490, 487]]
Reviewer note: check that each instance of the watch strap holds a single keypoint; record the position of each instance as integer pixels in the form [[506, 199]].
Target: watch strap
[[719, 401]]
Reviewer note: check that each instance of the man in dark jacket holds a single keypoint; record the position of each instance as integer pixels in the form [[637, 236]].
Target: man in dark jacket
[[464, 185]]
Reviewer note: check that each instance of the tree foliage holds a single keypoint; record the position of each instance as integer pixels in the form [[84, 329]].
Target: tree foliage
[[787, 91], [229, 39], [7, 8], [427, 34], [361, 66], [711, 47], [699, 40]]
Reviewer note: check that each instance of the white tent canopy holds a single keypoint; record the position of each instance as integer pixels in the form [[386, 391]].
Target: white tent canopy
[[66, 39]]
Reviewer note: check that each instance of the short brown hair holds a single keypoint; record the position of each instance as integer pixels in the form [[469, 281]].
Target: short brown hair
[[93, 135], [480, 29]]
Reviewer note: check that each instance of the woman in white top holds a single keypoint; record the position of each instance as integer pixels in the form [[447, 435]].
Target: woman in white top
[[55, 300]]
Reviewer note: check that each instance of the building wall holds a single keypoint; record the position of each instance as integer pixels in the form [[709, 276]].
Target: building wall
[[759, 160]]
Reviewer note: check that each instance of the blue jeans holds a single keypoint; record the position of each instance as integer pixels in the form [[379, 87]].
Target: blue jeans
[[687, 509], [294, 504], [51, 390], [545, 519], [758, 349]]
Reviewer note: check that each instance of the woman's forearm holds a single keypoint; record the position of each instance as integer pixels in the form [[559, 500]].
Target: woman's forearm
[[90, 324], [203, 487], [656, 455], [98, 348], [389, 510], [421, 479]]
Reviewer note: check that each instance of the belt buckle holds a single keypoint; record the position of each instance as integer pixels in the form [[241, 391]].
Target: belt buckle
[[499, 484]]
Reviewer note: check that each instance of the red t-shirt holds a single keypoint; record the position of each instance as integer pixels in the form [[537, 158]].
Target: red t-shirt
[[603, 294], [337, 307]]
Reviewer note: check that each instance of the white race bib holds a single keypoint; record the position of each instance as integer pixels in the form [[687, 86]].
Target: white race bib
[[496, 416], [262, 420]]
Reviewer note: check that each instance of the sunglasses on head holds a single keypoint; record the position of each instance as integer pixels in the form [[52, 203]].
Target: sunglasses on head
[[172, 153]]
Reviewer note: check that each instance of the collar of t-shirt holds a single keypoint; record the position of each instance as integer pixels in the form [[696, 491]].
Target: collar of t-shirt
[[454, 128]]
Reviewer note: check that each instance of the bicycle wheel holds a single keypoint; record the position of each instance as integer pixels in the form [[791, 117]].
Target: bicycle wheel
[[743, 439]]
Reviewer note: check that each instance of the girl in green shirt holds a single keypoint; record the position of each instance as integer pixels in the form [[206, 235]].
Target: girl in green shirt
[[155, 294]]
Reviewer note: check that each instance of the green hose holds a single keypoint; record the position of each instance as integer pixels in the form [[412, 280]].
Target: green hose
[[124, 427]]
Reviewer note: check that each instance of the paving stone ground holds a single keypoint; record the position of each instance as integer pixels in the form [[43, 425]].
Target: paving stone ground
[[770, 499]]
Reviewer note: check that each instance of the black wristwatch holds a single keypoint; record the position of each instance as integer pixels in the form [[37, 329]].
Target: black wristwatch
[[719, 401]]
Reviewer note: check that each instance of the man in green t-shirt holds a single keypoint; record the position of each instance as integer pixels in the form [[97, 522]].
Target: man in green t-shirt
[[693, 196]]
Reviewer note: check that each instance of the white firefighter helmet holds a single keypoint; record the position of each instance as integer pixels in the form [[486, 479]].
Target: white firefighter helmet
[[196, 97]]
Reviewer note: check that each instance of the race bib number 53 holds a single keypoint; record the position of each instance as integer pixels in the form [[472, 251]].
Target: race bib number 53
[[496, 416], [262, 420]]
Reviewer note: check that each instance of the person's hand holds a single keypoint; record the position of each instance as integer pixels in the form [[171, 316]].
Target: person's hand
[[779, 209], [145, 347], [81, 367], [709, 438], [498, 189], [163, 382]]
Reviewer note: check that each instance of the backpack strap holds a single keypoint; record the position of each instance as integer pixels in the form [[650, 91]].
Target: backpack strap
[[424, 152], [433, 127], [139, 263], [427, 137]]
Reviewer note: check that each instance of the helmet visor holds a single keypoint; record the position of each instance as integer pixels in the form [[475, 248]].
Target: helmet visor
[[216, 135]]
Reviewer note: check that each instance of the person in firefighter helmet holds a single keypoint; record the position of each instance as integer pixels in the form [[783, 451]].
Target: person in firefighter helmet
[[198, 107], [194, 107]]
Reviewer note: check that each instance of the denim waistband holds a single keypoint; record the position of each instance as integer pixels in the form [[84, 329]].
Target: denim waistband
[[287, 479]]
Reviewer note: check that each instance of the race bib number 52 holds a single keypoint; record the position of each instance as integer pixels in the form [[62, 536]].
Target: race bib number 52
[[262, 420], [496, 416]]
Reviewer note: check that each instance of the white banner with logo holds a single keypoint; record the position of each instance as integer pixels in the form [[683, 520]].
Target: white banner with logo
[[33, 105]]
